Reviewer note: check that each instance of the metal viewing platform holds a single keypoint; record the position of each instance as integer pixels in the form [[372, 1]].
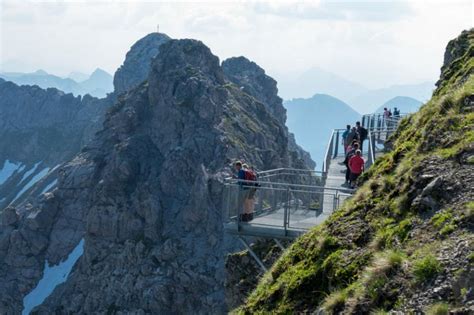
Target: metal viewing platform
[[288, 202]]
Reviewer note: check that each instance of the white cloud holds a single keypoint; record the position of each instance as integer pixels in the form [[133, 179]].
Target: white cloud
[[337, 10], [370, 42]]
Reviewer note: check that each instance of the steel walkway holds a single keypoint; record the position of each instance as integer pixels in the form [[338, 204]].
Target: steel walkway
[[289, 202]]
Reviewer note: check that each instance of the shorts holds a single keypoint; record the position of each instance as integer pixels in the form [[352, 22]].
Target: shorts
[[252, 192], [354, 176], [244, 194]]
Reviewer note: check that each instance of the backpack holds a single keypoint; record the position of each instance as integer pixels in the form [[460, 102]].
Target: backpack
[[363, 133], [250, 175]]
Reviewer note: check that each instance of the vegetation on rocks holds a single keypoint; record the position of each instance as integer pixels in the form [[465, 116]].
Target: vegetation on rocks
[[404, 242]]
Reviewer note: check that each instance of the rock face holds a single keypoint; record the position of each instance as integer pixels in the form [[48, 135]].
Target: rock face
[[145, 196], [41, 129], [252, 80], [137, 62], [453, 55]]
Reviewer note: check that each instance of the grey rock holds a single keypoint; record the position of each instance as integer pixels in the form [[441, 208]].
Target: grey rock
[[9, 216], [137, 62]]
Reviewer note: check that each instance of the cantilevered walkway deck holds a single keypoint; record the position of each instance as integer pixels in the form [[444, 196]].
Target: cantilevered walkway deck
[[288, 202]]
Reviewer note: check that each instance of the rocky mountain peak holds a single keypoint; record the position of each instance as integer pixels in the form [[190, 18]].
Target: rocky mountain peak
[[144, 197], [253, 80], [457, 52], [99, 74], [137, 62]]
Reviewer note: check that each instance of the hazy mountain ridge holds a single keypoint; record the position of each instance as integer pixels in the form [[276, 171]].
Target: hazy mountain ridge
[[359, 97], [404, 104], [368, 102], [313, 119], [98, 84]]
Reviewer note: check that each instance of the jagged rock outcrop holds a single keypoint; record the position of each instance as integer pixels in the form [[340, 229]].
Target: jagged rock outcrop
[[137, 62], [145, 196], [457, 52], [252, 79], [27, 111]]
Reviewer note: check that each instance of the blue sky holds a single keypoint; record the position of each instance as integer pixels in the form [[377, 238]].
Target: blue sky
[[375, 43]]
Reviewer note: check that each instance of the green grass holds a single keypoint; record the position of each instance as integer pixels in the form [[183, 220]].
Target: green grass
[[426, 268], [444, 221], [335, 301], [440, 308], [471, 258]]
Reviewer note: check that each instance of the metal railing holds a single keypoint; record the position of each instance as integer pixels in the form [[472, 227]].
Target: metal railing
[[280, 205], [371, 149], [378, 121], [334, 148]]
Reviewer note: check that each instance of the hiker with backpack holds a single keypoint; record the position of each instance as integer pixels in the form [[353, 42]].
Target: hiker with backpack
[[352, 135], [396, 114], [251, 175], [352, 151], [363, 133], [356, 166], [247, 190]]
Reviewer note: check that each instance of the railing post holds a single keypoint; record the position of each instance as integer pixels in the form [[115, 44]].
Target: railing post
[[363, 121], [285, 214], [240, 205]]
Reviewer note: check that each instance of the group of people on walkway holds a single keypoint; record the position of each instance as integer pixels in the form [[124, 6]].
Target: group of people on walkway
[[353, 139], [390, 118]]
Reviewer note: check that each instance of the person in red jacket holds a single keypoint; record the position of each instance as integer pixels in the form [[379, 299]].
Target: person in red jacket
[[356, 166]]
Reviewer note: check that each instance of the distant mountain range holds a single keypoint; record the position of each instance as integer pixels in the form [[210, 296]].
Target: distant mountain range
[[361, 98], [369, 101], [403, 103], [312, 119], [317, 80], [98, 84]]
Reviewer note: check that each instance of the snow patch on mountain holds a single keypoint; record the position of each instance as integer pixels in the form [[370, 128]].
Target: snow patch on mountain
[[52, 277], [8, 169], [48, 188], [33, 181]]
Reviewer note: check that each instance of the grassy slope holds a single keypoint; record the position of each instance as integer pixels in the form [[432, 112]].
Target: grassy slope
[[384, 249]]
